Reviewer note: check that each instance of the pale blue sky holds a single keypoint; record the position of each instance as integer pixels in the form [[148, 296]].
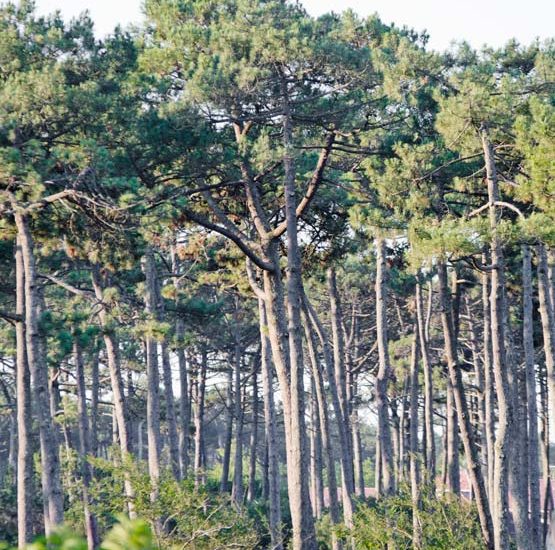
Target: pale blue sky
[[477, 21]]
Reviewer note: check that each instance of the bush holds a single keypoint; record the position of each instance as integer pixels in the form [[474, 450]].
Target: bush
[[447, 524]]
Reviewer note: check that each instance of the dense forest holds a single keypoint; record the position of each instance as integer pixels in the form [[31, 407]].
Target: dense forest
[[270, 280]]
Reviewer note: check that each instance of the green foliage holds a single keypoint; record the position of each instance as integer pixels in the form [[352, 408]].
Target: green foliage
[[447, 524], [125, 535], [199, 518]]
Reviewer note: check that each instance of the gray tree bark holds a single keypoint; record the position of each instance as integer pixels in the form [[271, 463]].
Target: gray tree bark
[[91, 528], [304, 536], [274, 507], [428, 389], [467, 436], [116, 382], [23, 405], [382, 379], [50, 460], [535, 539], [153, 376]]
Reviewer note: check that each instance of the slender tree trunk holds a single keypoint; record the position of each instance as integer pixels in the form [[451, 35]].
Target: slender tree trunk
[[116, 382], [480, 405], [238, 493], [184, 402], [500, 366], [382, 402], [465, 426], [84, 446], [428, 388], [317, 482], [50, 460], [414, 453], [23, 405], [324, 427], [301, 514], [489, 390], [453, 464], [200, 386], [274, 509], [531, 394], [173, 438], [346, 461], [348, 480], [357, 447], [153, 376], [547, 315], [253, 447], [226, 459], [545, 454], [95, 396], [170, 411]]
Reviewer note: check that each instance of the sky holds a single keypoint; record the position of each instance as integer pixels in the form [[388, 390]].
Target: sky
[[479, 22]]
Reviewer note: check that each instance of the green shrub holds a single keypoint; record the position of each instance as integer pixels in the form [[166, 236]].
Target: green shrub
[[446, 522]]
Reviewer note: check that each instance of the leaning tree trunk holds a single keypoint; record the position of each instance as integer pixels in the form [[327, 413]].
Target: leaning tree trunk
[[50, 459], [346, 462], [116, 382], [467, 436], [23, 404], [382, 402]]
